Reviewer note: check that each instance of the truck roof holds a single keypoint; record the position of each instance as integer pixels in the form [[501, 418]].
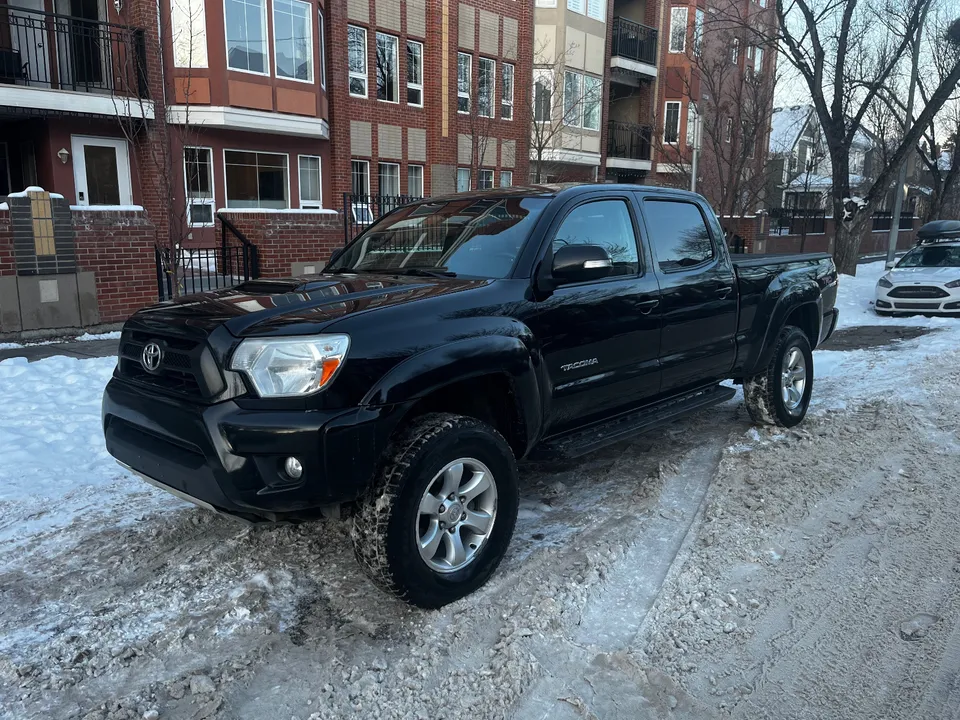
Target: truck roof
[[552, 190]]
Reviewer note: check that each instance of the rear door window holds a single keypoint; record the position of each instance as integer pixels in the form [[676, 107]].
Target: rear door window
[[678, 234], [606, 223]]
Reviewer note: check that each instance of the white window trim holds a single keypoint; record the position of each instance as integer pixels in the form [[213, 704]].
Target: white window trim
[[728, 130], [226, 197], [469, 179], [506, 172], [365, 75], [678, 10], [546, 3], [367, 163], [574, 10], [266, 43], [735, 51], [323, 50], [543, 73], [397, 84], [493, 178], [603, 10], [276, 70], [392, 164], [124, 174], [698, 18], [469, 82], [666, 105], [493, 88], [414, 165], [579, 110], [583, 103], [416, 86], [200, 201], [503, 100], [319, 185]]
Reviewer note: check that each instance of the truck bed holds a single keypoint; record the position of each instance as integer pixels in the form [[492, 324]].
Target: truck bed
[[760, 259]]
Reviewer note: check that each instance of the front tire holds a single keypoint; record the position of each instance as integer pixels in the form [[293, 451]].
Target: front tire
[[439, 516], [780, 395]]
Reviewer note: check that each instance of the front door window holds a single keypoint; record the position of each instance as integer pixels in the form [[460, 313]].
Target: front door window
[[101, 171]]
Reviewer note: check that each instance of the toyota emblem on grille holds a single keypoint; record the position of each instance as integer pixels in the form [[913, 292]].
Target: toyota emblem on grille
[[151, 356]]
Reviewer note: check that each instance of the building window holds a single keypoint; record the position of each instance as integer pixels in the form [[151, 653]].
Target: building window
[[671, 123], [388, 177], [751, 50], [572, 106], [256, 180], [415, 181], [311, 195], [198, 176], [388, 68], [697, 32], [506, 90], [246, 33], [546, 3], [758, 60], [323, 54], [463, 179], [486, 89], [728, 130], [678, 29], [592, 95], [577, 6], [293, 40], [735, 50], [360, 177], [414, 73], [484, 179], [542, 96], [463, 82], [581, 100], [357, 60], [596, 9], [506, 178]]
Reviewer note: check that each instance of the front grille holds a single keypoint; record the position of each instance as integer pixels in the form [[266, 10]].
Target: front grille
[[918, 291], [917, 306], [180, 369]]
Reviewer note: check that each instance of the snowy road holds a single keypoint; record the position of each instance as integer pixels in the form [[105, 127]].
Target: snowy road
[[705, 569]]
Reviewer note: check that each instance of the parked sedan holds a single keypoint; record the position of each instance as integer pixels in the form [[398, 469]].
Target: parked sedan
[[926, 279]]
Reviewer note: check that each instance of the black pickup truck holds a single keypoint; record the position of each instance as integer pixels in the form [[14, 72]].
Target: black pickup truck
[[451, 339]]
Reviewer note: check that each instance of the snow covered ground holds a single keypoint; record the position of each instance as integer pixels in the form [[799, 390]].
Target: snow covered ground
[[116, 599]]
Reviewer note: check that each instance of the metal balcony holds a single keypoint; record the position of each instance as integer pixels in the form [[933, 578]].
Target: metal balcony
[[634, 46], [628, 145]]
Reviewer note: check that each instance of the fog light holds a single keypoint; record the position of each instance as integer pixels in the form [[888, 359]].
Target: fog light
[[293, 468]]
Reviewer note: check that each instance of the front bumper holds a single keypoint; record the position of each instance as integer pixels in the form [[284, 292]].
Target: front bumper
[[948, 304], [231, 459]]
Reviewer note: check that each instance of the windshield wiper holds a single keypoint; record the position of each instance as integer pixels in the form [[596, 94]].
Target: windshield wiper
[[422, 271]]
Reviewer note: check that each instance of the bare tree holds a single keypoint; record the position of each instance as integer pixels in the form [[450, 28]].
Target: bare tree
[[847, 52]]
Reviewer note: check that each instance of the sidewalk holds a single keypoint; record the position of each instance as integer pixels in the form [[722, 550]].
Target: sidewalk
[[84, 350]]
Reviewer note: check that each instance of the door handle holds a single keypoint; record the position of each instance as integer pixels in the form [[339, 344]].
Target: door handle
[[647, 306], [723, 291]]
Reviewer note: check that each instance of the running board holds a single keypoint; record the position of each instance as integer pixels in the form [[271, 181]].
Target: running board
[[595, 437]]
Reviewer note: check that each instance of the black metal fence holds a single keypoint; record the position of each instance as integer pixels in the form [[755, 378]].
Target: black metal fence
[[628, 140], [361, 211], [61, 52], [797, 221], [634, 41], [883, 220]]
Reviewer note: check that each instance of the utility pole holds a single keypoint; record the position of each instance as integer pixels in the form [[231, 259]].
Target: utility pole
[[908, 120], [696, 152]]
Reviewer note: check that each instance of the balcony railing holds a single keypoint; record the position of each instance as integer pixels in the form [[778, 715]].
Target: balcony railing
[[60, 52], [634, 41], [628, 140]]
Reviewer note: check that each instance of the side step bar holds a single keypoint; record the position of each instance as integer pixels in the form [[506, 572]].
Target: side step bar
[[608, 432]]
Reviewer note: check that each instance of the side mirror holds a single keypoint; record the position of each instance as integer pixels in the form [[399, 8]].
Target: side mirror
[[580, 263], [891, 264]]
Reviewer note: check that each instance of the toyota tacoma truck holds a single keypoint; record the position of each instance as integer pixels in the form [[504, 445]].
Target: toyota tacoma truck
[[453, 338]]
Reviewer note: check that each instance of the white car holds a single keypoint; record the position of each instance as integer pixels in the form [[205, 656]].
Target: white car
[[927, 278]]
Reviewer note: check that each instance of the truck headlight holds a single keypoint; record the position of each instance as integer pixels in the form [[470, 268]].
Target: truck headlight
[[884, 283], [953, 284], [290, 367]]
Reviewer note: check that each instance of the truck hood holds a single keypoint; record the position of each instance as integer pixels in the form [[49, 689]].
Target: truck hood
[[924, 274], [295, 306]]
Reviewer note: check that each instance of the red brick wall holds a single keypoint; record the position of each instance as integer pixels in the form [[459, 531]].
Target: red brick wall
[[285, 238], [871, 243], [119, 248], [7, 266]]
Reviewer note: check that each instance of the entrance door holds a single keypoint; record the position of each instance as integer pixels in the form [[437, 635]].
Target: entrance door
[[101, 171], [28, 37]]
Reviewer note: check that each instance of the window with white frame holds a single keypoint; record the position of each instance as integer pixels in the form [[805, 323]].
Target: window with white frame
[[463, 179], [311, 195], [577, 6], [671, 122], [506, 91], [486, 87], [546, 3], [388, 68], [198, 176], [751, 51], [735, 50], [572, 105], [414, 73], [360, 177], [293, 39], [691, 123], [357, 60], [678, 29], [597, 9], [542, 95], [245, 24], [464, 62], [592, 95], [697, 32], [323, 53], [728, 130], [256, 179], [758, 60], [506, 178], [388, 177], [484, 179], [415, 181]]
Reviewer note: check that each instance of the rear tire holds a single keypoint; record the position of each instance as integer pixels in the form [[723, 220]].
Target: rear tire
[[439, 516], [780, 395]]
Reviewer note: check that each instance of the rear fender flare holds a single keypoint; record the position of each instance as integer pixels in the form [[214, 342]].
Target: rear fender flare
[[798, 295]]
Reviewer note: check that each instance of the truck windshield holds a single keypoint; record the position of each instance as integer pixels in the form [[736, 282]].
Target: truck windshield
[[478, 237], [931, 256]]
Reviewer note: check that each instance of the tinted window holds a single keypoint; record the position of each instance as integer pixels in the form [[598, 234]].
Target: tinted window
[[931, 257], [605, 223], [678, 234]]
